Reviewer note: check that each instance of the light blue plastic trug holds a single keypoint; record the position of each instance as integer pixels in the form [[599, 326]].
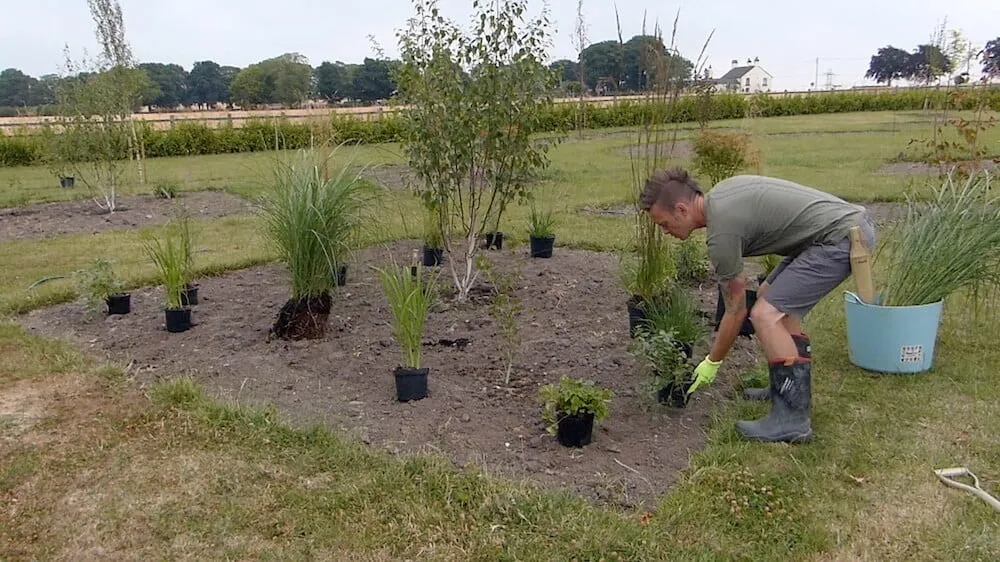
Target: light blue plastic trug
[[891, 339]]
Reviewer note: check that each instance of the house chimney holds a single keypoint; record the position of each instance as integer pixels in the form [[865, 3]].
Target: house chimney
[[756, 61], [735, 63], [749, 61]]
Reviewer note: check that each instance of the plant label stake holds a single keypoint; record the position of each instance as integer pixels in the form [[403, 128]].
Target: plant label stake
[[861, 266], [948, 475]]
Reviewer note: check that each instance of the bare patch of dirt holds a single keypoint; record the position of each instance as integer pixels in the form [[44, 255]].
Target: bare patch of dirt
[[665, 149], [84, 216], [573, 322], [922, 168], [392, 176]]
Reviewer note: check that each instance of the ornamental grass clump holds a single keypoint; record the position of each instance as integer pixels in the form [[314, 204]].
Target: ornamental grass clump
[[313, 219], [410, 299], [946, 245]]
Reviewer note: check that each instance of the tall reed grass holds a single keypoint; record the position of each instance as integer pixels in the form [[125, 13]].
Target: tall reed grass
[[948, 244]]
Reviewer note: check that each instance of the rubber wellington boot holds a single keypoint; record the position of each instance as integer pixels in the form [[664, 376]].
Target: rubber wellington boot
[[805, 351], [791, 402]]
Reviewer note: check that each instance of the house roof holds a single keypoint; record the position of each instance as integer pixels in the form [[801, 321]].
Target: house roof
[[737, 72]]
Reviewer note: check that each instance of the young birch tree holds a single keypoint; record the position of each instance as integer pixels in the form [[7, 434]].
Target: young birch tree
[[97, 135], [474, 99]]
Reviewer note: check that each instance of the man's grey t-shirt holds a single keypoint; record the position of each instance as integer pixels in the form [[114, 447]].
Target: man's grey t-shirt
[[755, 215]]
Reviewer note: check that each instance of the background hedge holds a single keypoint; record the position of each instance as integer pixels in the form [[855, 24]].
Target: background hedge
[[191, 138]]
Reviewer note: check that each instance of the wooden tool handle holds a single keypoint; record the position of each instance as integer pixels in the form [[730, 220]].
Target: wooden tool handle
[[861, 266]]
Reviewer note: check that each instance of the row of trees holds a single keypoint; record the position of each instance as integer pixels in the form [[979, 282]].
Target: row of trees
[[289, 79], [948, 54]]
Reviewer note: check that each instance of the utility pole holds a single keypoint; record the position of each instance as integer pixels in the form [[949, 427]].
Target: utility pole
[[816, 80]]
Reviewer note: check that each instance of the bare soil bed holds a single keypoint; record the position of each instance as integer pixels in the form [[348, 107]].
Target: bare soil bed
[[84, 216], [573, 322]]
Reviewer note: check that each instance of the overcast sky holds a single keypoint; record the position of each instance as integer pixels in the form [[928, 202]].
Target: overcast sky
[[786, 35]]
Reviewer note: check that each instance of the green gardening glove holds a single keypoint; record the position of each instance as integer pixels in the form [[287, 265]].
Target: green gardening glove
[[704, 373]]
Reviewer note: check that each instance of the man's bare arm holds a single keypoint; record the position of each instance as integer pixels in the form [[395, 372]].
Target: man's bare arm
[[735, 296]]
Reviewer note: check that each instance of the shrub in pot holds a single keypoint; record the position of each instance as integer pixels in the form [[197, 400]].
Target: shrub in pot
[[410, 298], [572, 407], [310, 217], [169, 257], [100, 287], [541, 235], [671, 367], [649, 273]]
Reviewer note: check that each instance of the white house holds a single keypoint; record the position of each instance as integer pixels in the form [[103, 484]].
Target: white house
[[747, 79]]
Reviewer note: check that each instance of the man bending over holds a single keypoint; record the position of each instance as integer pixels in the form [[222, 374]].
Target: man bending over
[[753, 216]]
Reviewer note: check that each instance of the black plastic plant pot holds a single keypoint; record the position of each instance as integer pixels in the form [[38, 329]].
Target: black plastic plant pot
[[67, 182], [674, 395], [494, 240], [541, 247], [189, 296], [178, 319], [747, 328], [636, 314], [433, 256], [411, 384], [685, 348], [342, 275], [119, 304], [576, 430]]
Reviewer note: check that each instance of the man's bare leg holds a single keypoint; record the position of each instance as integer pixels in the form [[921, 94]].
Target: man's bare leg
[[775, 337]]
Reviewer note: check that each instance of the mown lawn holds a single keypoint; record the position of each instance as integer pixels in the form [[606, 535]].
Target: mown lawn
[[92, 466]]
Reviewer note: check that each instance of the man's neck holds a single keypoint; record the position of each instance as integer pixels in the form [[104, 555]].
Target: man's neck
[[699, 211]]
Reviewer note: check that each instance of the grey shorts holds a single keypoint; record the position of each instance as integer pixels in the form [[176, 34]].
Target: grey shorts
[[799, 282]]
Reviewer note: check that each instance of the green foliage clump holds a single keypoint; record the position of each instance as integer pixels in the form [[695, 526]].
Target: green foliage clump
[[692, 261], [720, 154], [96, 283], [659, 350], [675, 312], [541, 223], [571, 397]]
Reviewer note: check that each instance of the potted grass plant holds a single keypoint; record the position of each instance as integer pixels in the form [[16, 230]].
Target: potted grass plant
[[410, 299], [944, 247], [168, 256], [100, 287], [571, 407], [672, 372], [541, 235], [676, 313], [311, 214]]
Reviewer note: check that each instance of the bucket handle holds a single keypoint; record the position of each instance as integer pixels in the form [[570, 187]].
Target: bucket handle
[[852, 297]]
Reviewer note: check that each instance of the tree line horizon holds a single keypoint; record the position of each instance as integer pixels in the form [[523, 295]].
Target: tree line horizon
[[289, 79]]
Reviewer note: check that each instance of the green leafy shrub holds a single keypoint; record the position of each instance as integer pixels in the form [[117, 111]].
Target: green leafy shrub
[[96, 283], [20, 151], [165, 190], [659, 351], [692, 261], [571, 397], [677, 313], [720, 154]]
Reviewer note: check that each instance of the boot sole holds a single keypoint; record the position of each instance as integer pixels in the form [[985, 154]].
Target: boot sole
[[789, 437]]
